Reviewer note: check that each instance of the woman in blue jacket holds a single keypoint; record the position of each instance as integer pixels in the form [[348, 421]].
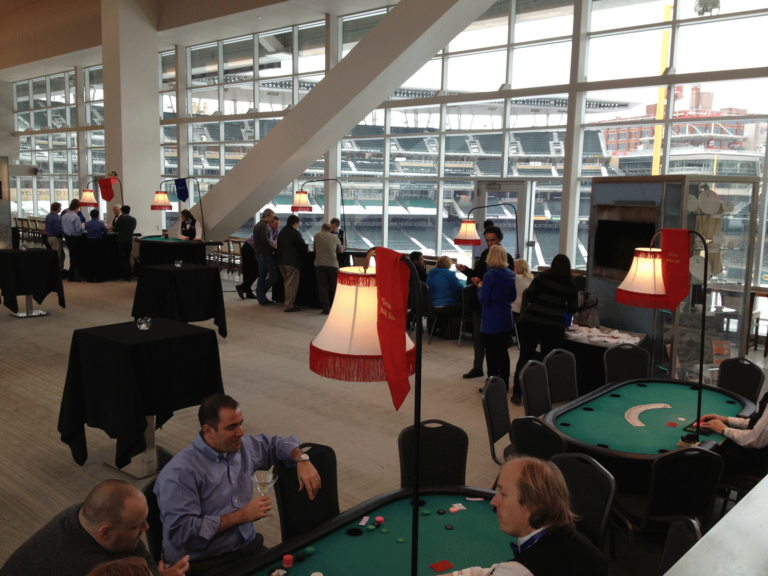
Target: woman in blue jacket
[[496, 293], [445, 293]]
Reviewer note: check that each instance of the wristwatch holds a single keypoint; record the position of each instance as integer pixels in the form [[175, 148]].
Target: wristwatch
[[303, 458]]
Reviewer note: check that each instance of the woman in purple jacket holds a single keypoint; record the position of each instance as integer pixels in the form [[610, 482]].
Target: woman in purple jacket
[[496, 293]]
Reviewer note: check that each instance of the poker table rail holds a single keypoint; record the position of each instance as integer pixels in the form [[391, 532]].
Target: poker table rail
[[591, 449], [297, 544]]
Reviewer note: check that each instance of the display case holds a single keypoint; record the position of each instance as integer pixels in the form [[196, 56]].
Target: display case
[[624, 211]]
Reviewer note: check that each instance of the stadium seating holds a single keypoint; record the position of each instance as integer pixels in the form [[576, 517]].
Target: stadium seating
[[265, 126], [592, 145], [400, 241], [371, 233], [412, 144], [425, 203], [537, 171], [534, 143], [456, 145], [549, 241], [555, 207], [584, 206], [538, 209], [491, 143], [354, 239], [489, 167]]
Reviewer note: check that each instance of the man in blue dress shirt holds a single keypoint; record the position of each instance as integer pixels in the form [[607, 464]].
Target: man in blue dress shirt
[[205, 493], [54, 232]]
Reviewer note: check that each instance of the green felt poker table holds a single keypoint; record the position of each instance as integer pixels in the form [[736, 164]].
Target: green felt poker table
[[626, 425], [473, 540], [156, 250]]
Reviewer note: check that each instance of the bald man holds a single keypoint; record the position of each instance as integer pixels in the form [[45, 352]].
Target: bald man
[[532, 505], [106, 527]]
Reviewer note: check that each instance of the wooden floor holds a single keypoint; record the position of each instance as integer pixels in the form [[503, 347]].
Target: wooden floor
[[265, 367]]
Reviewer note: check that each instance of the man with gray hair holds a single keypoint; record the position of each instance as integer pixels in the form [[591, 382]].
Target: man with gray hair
[[327, 265], [107, 526], [262, 246], [116, 211]]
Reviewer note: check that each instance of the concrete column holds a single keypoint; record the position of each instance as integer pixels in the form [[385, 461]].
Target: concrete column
[[9, 146], [182, 130], [376, 67], [82, 137], [333, 155], [131, 135]]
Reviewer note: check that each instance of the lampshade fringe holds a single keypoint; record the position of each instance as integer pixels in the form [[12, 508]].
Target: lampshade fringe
[[351, 368]]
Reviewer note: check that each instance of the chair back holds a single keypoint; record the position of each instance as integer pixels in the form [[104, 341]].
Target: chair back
[[626, 362], [496, 410], [236, 248], [733, 299], [443, 455], [535, 385], [682, 535], [741, 376], [683, 483], [592, 489], [561, 375], [534, 437], [155, 531], [298, 513]]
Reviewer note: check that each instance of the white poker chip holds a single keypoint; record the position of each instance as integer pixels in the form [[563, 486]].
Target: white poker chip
[[681, 419]]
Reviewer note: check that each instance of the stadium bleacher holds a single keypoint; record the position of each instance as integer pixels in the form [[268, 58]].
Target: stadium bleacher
[[456, 145], [355, 240], [592, 145], [549, 241], [400, 241], [412, 144], [534, 143], [584, 207], [536, 171], [555, 207], [489, 167], [491, 143]]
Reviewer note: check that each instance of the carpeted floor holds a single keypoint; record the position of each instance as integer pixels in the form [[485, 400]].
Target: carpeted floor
[[265, 367]]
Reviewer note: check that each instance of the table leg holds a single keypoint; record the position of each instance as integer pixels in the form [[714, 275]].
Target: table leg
[[30, 311], [149, 462]]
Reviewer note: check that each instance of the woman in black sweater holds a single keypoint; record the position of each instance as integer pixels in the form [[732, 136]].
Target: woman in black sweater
[[550, 294]]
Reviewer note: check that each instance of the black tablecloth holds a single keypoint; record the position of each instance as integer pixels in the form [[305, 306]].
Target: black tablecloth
[[34, 272], [15, 237], [118, 375], [191, 293], [108, 257], [307, 293], [155, 252]]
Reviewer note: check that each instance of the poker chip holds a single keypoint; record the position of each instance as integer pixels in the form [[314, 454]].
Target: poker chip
[[287, 561], [448, 527], [400, 540], [453, 510], [377, 524], [379, 519], [309, 550], [300, 557], [425, 512], [441, 511], [371, 528], [385, 530]]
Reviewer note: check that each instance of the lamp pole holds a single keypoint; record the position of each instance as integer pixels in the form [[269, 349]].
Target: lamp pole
[[517, 244], [341, 189], [416, 407]]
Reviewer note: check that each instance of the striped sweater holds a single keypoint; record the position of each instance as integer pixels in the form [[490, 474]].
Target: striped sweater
[[549, 296]]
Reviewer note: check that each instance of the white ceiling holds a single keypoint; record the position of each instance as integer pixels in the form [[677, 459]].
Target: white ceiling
[[271, 17]]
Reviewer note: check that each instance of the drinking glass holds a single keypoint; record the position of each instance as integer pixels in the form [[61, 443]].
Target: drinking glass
[[264, 481], [177, 263], [144, 323]]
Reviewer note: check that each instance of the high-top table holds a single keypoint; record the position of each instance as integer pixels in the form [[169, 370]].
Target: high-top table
[[154, 250], [128, 382], [187, 293], [34, 273]]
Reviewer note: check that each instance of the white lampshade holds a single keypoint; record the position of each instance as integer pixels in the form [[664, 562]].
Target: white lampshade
[[301, 202], [467, 235], [347, 347], [644, 285], [88, 199], [161, 201]]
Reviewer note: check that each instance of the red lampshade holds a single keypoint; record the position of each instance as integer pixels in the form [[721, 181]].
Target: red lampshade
[[87, 199], [161, 201], [467, 235], [301, 202]]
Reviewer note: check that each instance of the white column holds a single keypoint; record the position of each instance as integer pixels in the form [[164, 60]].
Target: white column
[[332, 168], [82, 137], [376, 67], [131, 135], [7, 125], [573, 140]]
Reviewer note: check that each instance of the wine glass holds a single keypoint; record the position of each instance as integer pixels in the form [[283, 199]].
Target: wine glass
[[264, 481]]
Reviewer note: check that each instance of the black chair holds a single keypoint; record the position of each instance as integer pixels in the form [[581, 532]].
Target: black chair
[[592, 489], [535, 388], [155, 531], [683, 483], [428, 312], [682, 535], [443, 455], [741, 376], [467, 300], [496, 412], [561, 375], [298, 513], [626, 362], [534, 437]]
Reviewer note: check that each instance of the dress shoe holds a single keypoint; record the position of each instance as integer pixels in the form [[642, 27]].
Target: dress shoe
[[250, 296], [473, 374], [240, 292], [516, 398], [326, 312]]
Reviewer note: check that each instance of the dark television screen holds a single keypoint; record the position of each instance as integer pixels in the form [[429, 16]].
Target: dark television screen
[[615, 242]]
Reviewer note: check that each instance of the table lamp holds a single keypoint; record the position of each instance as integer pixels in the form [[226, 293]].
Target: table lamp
[[87, 199], [644, 287], [161, 201], [468, 236], [348, 349]]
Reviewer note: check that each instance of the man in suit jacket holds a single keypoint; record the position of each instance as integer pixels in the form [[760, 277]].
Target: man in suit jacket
[[291, 248], [532, 504]]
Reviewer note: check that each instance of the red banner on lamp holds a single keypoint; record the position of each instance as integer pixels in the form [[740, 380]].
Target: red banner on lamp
[[675, 251], [392, 277], [105, 185]]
